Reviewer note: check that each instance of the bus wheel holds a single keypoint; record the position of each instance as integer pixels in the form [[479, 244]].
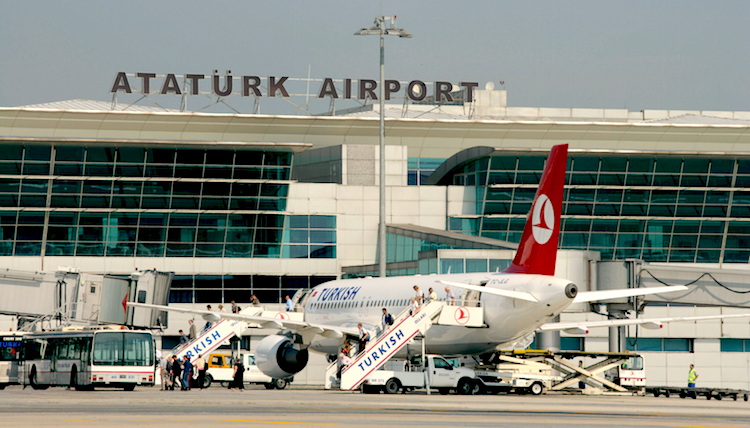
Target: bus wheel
[[129, 387], [33, 380], [74, 378]]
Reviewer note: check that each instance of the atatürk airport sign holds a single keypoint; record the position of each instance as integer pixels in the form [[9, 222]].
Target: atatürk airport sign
[[223, 86]]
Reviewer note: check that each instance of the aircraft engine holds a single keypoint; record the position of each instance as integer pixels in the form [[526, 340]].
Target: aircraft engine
[[277, 357]]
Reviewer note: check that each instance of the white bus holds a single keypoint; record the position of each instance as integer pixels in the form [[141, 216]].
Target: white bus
[[85, 359], [10, 355]]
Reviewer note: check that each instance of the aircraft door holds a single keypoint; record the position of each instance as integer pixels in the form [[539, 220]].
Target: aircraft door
[[442, 374], [300, 298], [473, 299]]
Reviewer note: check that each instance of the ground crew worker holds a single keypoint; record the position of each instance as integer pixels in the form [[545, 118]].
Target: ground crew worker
[[692, 376]]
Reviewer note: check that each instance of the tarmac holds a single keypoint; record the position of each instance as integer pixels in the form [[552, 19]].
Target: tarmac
[[314, 407]]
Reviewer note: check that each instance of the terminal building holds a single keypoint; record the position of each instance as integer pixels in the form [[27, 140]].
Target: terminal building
[[243, 204]]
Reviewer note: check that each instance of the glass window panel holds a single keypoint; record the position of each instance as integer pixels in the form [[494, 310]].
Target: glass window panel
[[160, 155], [100, 170], [11, 152], [95, 201], [614, 164], [59, 248], [220, 157], [129, 170], [682, 256], [586, 163], [61, 217], [720, 181], [602, 240], [216, 189], [633, 195], [612, 179], [583, 179], [159, 171], [496, 208], [689, 210], [60, 202], [575, 224], [159, 202], [722, 166], [571, 344], [214, 203], [68, 169], [633, 210], [631, 225], [666, 180], [715, 197], [277, 158], [661, 210], [279, 190], [247, 173], [524, 195], [451, 265], [185, 203], [322, 222], [217, 172], [629, 240], [100, 154], [244, 189], [643, 344], [732, 345], [130, 155], [90, 249], [503, 163], [28, 248], [35, 168], [686, 226], [298, 236], [741, 212], [738, 241], [638, 164], [126, 202], [29, 233], [323, 236], [476, 265], [97, 187], [190, 157], [608, 195], [68, 153], [708, 256], [66, 186], [528, 177], [153, 219], [693, 181], [122, 249], [739, 227], [149, 250], [30, 218], [13, 168], [520, 208], [677, 345], [638, 179], [188, 172], [271, 204], [267, 250], [270, 220], [670, 165], [296, 251], [578, 209], [735, 256], [695, 165], [157, 187], [37, 153], [712, 227], [180, 250], [176, 219], [503, 194], [606, 209]]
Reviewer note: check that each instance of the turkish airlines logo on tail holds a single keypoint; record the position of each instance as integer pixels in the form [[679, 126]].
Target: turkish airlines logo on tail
[[542, 219]]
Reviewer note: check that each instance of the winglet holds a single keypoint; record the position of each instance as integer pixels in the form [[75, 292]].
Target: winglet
[[537, 252]]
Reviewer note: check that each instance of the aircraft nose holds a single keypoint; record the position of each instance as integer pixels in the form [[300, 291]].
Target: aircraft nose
[[571, 290]]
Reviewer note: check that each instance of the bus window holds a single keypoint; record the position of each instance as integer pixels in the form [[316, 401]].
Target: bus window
[[120, 348], [138, 350], [108, 349], [10, 349]]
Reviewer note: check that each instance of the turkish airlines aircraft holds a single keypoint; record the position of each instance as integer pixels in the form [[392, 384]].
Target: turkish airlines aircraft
[[517, 302]]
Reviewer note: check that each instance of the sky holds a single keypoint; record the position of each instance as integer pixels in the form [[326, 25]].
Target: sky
[[676, 55]]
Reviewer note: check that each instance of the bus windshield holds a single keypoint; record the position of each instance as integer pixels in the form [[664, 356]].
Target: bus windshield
[[9, 348], [123, 349]]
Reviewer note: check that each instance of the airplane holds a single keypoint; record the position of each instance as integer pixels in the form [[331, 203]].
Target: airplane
[[517, 302]]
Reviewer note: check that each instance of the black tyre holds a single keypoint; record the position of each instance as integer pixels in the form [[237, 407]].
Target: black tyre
[[392, 386], [683, 394], [208, 380], [719, 397], [74, 378], [444, 391], [268, 385], [656, 393], [128, 387], [536, 388], [224, 384], [465, 386], [745, 397], [280, 383], [666, 393]]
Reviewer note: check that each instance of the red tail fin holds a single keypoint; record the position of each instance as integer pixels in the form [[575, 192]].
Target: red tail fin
[[537, 251]]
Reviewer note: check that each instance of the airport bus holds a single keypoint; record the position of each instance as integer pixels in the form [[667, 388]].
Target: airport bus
[[10, 354], [84, 359]]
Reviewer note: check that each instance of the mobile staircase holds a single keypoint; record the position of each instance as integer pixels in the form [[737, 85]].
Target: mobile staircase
[[378, 351]]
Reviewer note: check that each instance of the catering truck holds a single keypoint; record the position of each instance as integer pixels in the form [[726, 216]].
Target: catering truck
[[437, 373]]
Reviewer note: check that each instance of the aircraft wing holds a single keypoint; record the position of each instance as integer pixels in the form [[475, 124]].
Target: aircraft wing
[[306, 330], [582, 327], [593, 296]]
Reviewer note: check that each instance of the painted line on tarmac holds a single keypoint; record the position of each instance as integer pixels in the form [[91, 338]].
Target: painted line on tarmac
[[277, 422]]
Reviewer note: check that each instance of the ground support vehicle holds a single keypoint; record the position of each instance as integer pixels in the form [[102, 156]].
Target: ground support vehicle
[[493, 380], [10, 354], [438, 373], [85, 358], [709, 393], [221, 369]]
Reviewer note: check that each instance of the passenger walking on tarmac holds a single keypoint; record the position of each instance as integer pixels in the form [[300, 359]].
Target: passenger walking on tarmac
[[183, 338], [387, 319], [449, 297], [433, 295], [164, 372], [239, 371], [187, 374], [235, 309], [581, 384], [419, 296], [692, 376], [364, 336], [414, 306], [170, 375], [176, 372], [254, 300], [289, 305], [200, 365], [193, 331]]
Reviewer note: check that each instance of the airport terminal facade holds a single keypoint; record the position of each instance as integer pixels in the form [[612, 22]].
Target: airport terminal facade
[[256, 204]]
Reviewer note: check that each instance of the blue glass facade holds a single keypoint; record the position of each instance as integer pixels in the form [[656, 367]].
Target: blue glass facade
[[665, 208]]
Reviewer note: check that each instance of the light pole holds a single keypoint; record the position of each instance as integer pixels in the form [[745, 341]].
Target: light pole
[[381, 30]]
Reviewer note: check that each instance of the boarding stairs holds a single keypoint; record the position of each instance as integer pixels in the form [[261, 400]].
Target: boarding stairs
[[385, 345], [210, 339]]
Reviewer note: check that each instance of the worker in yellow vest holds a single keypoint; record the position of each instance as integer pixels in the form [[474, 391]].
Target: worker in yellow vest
[[692, 376]]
